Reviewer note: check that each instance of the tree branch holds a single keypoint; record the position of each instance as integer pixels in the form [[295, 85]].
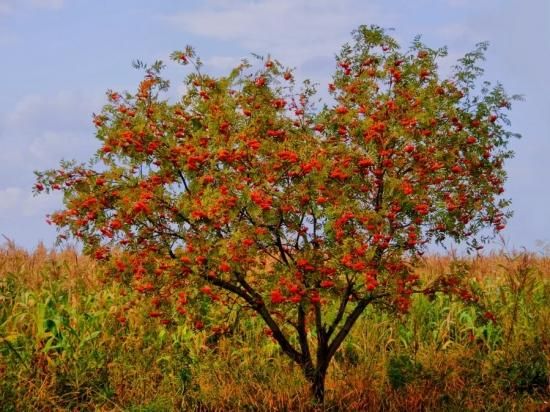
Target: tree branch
[[302, 335], [184, 181], [341, 310], [257, 303], [350, 321], [297, 243]]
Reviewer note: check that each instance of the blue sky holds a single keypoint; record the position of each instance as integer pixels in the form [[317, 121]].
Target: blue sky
[[60, 56]]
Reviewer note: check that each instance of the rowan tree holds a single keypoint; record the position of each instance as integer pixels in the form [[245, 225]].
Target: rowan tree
[[243, 192]]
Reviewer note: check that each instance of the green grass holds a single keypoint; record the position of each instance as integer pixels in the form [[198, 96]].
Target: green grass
[[62, 348]]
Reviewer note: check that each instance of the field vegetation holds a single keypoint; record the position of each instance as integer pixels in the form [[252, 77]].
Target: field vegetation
[[71, 339]]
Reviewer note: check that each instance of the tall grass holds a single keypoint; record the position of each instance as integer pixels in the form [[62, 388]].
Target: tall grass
[[63, 346]]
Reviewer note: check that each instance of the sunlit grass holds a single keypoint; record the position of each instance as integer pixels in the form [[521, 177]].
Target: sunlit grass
[[63, 347]]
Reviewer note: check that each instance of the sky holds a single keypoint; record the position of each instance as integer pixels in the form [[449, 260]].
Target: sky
[[60, 56]]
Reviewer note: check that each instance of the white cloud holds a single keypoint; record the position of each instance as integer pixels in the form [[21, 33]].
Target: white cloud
[[459, 3], [11, 6], [20, 202], [456, 32], [9, 198], [64, 110], [48, 4], [40, 130], [6, 7], [222, 62], [307, 34], [293, 30], [52, 147]]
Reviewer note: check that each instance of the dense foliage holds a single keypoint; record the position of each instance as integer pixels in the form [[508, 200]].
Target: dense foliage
[[246, 194]]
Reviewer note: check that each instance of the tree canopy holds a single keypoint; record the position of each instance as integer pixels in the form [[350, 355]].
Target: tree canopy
[[244, 192]]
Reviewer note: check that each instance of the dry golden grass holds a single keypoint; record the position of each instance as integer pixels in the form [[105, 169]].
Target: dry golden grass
[[444, 357]]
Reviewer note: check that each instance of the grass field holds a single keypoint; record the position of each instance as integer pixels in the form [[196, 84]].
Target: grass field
[[64, 346]]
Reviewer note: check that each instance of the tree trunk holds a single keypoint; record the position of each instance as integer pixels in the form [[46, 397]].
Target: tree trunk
[[318, 388], [317, 385]]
